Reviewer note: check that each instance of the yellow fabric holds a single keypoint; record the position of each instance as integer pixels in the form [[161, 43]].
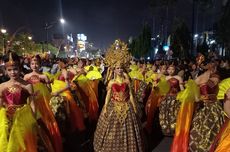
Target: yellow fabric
[[41, 101], [3, 130], [80, 79], [94, 74], [148, 77], [133, 67], [87, 68], [184, 117], [75, 114], [52, 76], [223, 88], [163, 85], [57, 85], [224, 143], [136, 74], [24, 126], [149, 66], [191, 93]]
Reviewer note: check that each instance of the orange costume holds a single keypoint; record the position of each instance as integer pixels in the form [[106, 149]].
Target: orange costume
[[42, 99], [18, 126]]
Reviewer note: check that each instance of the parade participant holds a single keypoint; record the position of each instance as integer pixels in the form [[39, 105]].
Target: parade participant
[[187, 98], [159, 89], [41, 85], [94, 76], [67, 113], [86, 92], [221, 142], [200, 65], [18, 126], [209, 116], [169, 106], [118, 128], [152, 70]]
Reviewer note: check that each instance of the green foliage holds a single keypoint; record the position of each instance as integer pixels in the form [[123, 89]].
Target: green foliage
[[141, 45], [181, 39], [21, 44]]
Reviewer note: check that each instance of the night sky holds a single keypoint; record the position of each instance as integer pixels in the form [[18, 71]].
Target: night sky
[[101, 20]]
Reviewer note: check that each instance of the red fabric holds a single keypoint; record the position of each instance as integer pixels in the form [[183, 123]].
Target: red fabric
[[151, 107], [119, 87], [15, 95]]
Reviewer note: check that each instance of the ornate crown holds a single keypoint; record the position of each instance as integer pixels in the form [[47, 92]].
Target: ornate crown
[[11, 62], [118, 54]]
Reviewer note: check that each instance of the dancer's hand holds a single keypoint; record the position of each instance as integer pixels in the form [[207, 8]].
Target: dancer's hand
[[104, 110]]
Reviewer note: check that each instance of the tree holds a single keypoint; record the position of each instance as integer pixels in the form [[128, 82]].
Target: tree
[[22, 44], [180, 39], [142, 44], [58, 43], [162, 6], [223, 31]]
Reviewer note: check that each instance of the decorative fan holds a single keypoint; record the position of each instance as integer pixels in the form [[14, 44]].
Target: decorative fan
[[223, 88]]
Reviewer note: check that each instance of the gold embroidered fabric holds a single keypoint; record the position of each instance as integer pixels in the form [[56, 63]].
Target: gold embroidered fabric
[[55, 103], [120, 96], [14, 88], [121, 109]]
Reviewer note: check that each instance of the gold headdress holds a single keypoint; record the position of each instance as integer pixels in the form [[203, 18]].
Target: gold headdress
[[11, 62], [223, 88], [118, 54]]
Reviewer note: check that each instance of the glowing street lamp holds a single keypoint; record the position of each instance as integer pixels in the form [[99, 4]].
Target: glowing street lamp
[[30, 37], [3, 31], [196, 36], [62, 20], [50, 25]]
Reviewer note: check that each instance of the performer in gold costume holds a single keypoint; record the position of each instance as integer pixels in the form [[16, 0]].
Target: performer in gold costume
[[118, 128]]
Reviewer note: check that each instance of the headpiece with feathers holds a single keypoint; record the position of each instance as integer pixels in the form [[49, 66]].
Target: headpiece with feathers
[[118, 54]]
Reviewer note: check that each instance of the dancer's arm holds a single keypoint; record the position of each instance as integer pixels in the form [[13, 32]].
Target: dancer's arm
[[227, 103], [108, 96]]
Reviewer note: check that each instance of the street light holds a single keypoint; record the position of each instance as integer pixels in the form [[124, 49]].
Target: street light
[[49, 26], [30, 37], [3, 31], [196, 36], [62, 21]]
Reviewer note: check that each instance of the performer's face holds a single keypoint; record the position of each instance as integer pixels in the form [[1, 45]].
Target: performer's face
[[34, 65], [171, 70], [163, 69], [80, 64], [154, 68], [13, 72], [118, 70]]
